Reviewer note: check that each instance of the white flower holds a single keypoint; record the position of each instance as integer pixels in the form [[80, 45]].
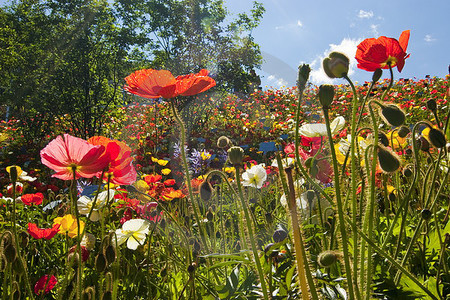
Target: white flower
[[88, 241], [85, 204], [24, 177], [286, 162], [255, 176], [315, 130], [133, 231]]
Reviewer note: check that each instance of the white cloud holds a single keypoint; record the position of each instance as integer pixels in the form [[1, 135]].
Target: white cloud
[[365, 14], [299, 23], [295, 25], [276, 82], [374, 29], [347, 46], [428, 38]]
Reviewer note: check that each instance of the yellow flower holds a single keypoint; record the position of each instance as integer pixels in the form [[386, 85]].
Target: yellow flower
[[161, 162], [396, 142], [19, 170], [166, 171], [229, 170], [68, 225], [141, 186]]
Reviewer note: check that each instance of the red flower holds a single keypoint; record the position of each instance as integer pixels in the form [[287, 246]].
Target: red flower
[[68, 153], [42, 233], [84, 252], [29, 199], [379, 53], [45, 284], [149, 83], [121, 170]]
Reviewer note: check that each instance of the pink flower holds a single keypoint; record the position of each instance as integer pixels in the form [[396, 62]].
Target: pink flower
[[45, 284], [67, 154]]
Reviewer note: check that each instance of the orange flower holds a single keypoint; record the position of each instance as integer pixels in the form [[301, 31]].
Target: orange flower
[[379, 53], [149, 83]]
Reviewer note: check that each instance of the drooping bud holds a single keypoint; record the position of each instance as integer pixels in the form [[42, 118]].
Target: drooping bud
[[326, 95], [100, 262], [407, 172], [191, 268], [206, 191], [223, 142], [431, 105], [110, 254], [279, 235], [377, 75], [336, 65], [310, 195], [236, 155], [327, 258], [424, 144], [303, 76], [393, 115], [209, 214], [437, 138], [10, 253], [389, 161], [403, 131]]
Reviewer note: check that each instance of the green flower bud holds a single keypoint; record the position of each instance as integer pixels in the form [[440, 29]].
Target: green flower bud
[[12, 170], [327, 258], [10, 253], [210, 215], [423, 143], [100, 262], [279, 235], [403, 131], [206, 191], [326, 95], [110, 254], [336, 65], [223, 142], [310, 195], [377, 75], [236, 155], [303, 76], [437, 138], [431, 105], [393, 115], [383, 139], [389, 161]]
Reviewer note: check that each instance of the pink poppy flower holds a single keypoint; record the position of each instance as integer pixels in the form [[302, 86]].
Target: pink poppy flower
[[67, 154]]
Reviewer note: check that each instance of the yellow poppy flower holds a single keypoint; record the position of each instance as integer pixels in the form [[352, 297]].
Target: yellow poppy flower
[[68, 225], [165, 171]]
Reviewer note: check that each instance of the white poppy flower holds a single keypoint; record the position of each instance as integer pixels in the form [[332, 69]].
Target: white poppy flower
[[85, 204], [24, 177], [318, 129], [286, 162], [255, 176], [133, 232]]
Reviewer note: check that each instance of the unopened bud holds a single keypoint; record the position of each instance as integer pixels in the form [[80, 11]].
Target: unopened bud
[[425, 214], [210, 215], [223, 142], [393, 115], [336, 65], [424, 144], [10, 253], [310, 194], [407, 172], [437, 138], [431, 105], [100, 262], [403, 131], [191, 268], [377, 75], [110, 254], [206, 191], [12, 170], [389, 161], [279, 235], [327, 258], [326, 95], [383, 139], [303, 76], [236, 155]]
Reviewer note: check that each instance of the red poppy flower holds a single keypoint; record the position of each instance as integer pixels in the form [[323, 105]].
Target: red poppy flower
[[42, 233], [379, 53], [121, 170], [68, 153], [45, 284], [149, 83], [84, 252], [29, 199]]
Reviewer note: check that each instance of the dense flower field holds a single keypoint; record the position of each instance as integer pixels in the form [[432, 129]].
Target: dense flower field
[[330, 192]]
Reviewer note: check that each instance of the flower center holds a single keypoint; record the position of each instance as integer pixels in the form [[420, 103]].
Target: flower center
[[391, 61]]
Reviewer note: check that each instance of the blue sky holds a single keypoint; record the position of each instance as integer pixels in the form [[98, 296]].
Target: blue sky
[[298, 31]]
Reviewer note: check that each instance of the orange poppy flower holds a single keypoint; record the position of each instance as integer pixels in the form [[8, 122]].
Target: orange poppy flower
[[379, 53], [149, 83]]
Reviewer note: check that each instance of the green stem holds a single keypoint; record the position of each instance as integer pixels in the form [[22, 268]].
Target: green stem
[[251, 235], [73, 196], [342, 228]]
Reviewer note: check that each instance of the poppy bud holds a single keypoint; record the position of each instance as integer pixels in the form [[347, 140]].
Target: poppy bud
[[100, 262], [437, 138], [10, 253], [327, 258], [303, 76], [72, 259], [16, 294], [389, 162], [310, 194], [383, 139], [210, 215], [205, 191], [279, 235], [407, 172], [326, 95], [107, 295], [403, 131], [314, 170], [425, 214], [236, 155], [377, 75], [110, 254], [269, 218], [12, 170], [423, 143], [393, 115], [336, 65], [223, 142], [431, 105]]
